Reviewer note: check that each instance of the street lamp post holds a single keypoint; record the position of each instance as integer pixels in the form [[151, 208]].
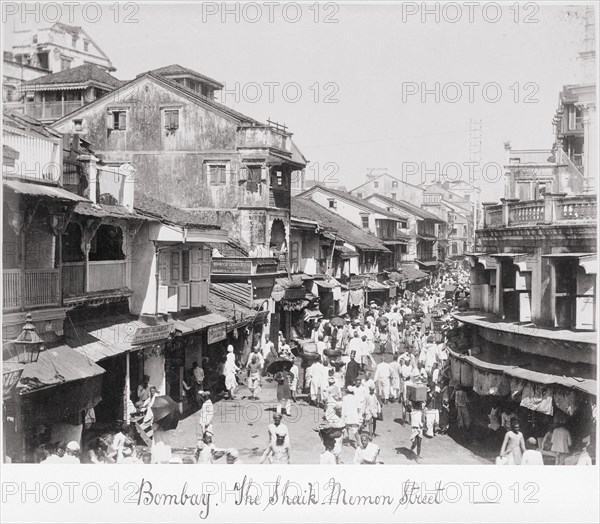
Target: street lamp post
[[28, 344]]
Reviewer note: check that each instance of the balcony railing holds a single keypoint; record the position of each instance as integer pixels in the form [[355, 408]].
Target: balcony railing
[[40, 286], [577, 208], [554, 208], [73, 279], [260, 137], [244, 265], [105, 275], [530, 212], [51, 110]]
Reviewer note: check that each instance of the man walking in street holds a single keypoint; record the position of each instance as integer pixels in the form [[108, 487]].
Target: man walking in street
[[352, 370]]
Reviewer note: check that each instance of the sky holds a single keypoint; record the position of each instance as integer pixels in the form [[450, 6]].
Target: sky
[[378, 88]]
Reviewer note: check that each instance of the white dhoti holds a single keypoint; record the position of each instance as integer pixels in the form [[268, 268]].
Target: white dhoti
[[384, 387]]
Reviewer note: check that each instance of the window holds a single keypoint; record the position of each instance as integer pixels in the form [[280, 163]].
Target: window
[[294, 252], [465, 231], [86, 46], [185, 265], [393, 196], [394, 184], [78, 123], [172, 119], [74, 42], [454, 248], [254, 178], [118, 120], [65, 63], [217, 174], [332, 203], [34, 39], [375, 185], [404, 224], [365, 221]]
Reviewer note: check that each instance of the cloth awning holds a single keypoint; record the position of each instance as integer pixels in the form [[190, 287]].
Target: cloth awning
[[585, 385], [312, 314], [240, 293], [345, 252], [237, 315], [427, 263], [198, 323], [328, 284], [588, 261], [25, 188], [395, 242], [373, 285], [57, 366]]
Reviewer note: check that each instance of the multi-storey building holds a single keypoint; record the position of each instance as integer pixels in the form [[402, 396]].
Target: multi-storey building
[[36, 53], [390, 228], [531, 331]]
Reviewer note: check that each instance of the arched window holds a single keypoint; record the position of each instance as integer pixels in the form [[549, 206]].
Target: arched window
[[71, 244], [107, 244]]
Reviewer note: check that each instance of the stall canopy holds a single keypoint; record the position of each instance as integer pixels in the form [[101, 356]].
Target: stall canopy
[[328, 284], [199, 322], [111, 336], [345, 252], [57, 366], [373, 285]]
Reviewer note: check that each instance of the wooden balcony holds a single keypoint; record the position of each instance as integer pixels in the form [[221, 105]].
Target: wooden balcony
[[40, 288], [264, 137], [51, 110]]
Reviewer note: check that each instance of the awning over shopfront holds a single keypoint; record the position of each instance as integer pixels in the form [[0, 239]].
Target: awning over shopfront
[[236, 314], [199, 323], [327, 284], [25, 188], [240, 293], [535, 390], [588, 261], [111, 336], [312, 314], [345, 252], [373, 285], [427, 263], [57, 366]]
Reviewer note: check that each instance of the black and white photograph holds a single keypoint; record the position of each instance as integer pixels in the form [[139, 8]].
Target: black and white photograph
[[285, 235]]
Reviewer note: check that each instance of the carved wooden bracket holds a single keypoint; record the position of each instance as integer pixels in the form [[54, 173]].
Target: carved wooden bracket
[[88, 231]]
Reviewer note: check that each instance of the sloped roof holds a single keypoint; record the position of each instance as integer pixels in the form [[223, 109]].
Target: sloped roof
[[29, 124], [407, 206], [176, 69], [355, 200], [304, 208], [164, 212], [83, 74], [382, 175]]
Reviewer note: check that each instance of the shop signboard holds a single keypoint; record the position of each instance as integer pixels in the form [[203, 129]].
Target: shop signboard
[[147, 334], [356, 282], [216, 333]]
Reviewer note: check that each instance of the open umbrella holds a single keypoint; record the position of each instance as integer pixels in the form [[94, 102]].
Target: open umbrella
[[337, 321], [166, 412], [280, 364]]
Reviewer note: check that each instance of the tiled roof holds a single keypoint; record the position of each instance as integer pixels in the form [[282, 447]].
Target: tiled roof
[[176, 69], [231, 249], [84, 74], [209, 101], [26, 123], [164, 212], [304, 208], [407, 206], [358, 201]]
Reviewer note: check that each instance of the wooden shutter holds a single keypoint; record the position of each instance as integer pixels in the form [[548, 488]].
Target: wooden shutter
[[162, 299], [163, 266], [122, 120], [172, 304], [195, 264], [585, 314], [524, 307], [183, 296], [110, 120], [175, 267]]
